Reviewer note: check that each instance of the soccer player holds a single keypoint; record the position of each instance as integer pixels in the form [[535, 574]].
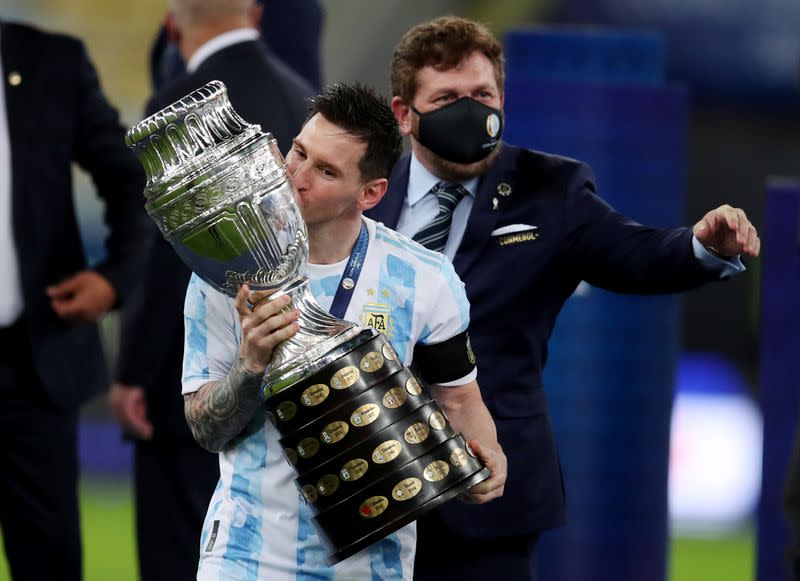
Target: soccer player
[[256, 523]]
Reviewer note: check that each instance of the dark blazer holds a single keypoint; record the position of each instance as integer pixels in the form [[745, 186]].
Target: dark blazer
[[516, 285], [290, 30], [264, 91], [57, 114]]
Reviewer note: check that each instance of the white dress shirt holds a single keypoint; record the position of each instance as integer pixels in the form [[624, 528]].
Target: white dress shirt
[[217, 43], [421, 206], [11, 301]]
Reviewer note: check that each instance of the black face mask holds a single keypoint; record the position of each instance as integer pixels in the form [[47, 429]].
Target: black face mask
[[465, 131]]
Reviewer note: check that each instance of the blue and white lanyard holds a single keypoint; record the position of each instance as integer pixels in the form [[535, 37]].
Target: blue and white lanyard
[[352, 271]]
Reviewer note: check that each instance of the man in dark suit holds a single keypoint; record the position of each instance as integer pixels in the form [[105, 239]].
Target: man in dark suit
[[290, 30], [174, 477], [524, 230], [53, 113]]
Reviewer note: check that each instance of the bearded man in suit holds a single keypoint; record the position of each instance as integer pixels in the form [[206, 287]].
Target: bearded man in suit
[[523, 228]]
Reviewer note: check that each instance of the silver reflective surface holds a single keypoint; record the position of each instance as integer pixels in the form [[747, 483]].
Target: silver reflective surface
[[219, 191]]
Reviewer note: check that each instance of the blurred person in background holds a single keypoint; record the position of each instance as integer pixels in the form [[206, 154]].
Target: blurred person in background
[[53, 113], [290, 30], [523, 229], [173, 476]]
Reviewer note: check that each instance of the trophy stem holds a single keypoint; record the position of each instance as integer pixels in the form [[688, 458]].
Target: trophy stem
[[321, 339]]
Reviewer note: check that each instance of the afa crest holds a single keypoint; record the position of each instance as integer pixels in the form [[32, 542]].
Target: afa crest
[[377, 316]]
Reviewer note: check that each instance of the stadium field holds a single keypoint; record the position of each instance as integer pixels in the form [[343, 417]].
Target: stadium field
[[109, 544]]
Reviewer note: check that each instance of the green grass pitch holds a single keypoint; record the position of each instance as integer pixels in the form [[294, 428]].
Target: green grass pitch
[[109, 543]]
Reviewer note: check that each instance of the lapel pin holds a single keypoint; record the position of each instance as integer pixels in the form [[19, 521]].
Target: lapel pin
[[503, 189], [495, 203], [14, 78]]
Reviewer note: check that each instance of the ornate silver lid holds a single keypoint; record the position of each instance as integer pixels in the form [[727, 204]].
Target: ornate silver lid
[[189, 136]]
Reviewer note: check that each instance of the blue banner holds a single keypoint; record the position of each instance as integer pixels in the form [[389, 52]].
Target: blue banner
[[611, 366], [780, 380], [732, 51]]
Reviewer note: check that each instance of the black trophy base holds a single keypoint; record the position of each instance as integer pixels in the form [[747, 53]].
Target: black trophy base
[[371, 450], [398, 499]]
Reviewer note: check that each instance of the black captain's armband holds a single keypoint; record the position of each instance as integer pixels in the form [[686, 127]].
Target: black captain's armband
[[446, 361]]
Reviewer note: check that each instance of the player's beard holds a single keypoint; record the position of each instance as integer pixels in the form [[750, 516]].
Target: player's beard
[[451, 171]]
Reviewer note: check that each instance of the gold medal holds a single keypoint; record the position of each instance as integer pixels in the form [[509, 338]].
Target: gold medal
[[354, 470], [365, 415], [417, 433], [309, 493], [413, 387], [286, 411], [394, 398], [334, 432], [315, 395], [371, 362], [436, 471], [328, 484], [387, 452], [407, 489], [307, 447], [388, 352], [458, 457], [345, 377], [373, 506], [437, 421]]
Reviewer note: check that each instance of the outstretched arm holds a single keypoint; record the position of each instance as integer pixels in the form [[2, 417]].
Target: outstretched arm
[[220, 410]]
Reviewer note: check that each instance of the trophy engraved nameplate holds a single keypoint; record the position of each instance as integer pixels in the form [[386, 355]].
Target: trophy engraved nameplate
[[371, 450]]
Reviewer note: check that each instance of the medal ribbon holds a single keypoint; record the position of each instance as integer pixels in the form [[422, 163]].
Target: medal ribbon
[[352, 271]]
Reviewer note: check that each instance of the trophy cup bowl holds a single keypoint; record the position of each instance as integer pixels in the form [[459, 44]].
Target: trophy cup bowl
[[352, 418]]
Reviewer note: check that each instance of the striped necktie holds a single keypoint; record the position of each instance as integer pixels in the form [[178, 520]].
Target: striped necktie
[[434, 235]]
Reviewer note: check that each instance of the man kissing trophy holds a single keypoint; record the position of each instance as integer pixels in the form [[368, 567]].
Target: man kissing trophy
[[371, 449]]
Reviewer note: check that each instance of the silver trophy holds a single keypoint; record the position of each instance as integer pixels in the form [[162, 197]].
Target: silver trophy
[[372, 451], [220, 192]]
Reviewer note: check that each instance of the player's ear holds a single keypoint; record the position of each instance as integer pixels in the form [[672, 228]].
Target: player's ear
[[372, 193]]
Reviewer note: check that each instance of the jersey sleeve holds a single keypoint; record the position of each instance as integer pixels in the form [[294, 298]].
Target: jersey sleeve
[[443, 354], [211, 335]]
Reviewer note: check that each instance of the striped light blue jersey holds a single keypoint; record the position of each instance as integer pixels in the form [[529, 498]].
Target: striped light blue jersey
[[257, 526]]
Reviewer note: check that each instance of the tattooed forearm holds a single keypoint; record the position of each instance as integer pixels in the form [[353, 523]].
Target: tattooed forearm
[[220, 410]]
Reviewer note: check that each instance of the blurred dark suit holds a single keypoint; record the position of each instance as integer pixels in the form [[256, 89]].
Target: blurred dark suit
[[174, 476], [57, 114], [291, 31]]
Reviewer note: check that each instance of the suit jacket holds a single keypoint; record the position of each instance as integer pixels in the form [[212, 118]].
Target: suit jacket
[[516, 284], [290, 30], [57, 115], [264, 91]]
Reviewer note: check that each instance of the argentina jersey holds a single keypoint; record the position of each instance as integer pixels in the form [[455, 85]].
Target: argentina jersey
[[257, 526]]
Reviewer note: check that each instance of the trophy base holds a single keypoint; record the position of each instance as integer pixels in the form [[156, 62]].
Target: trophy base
[[345, 529], [341, 553], [371, 449]]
